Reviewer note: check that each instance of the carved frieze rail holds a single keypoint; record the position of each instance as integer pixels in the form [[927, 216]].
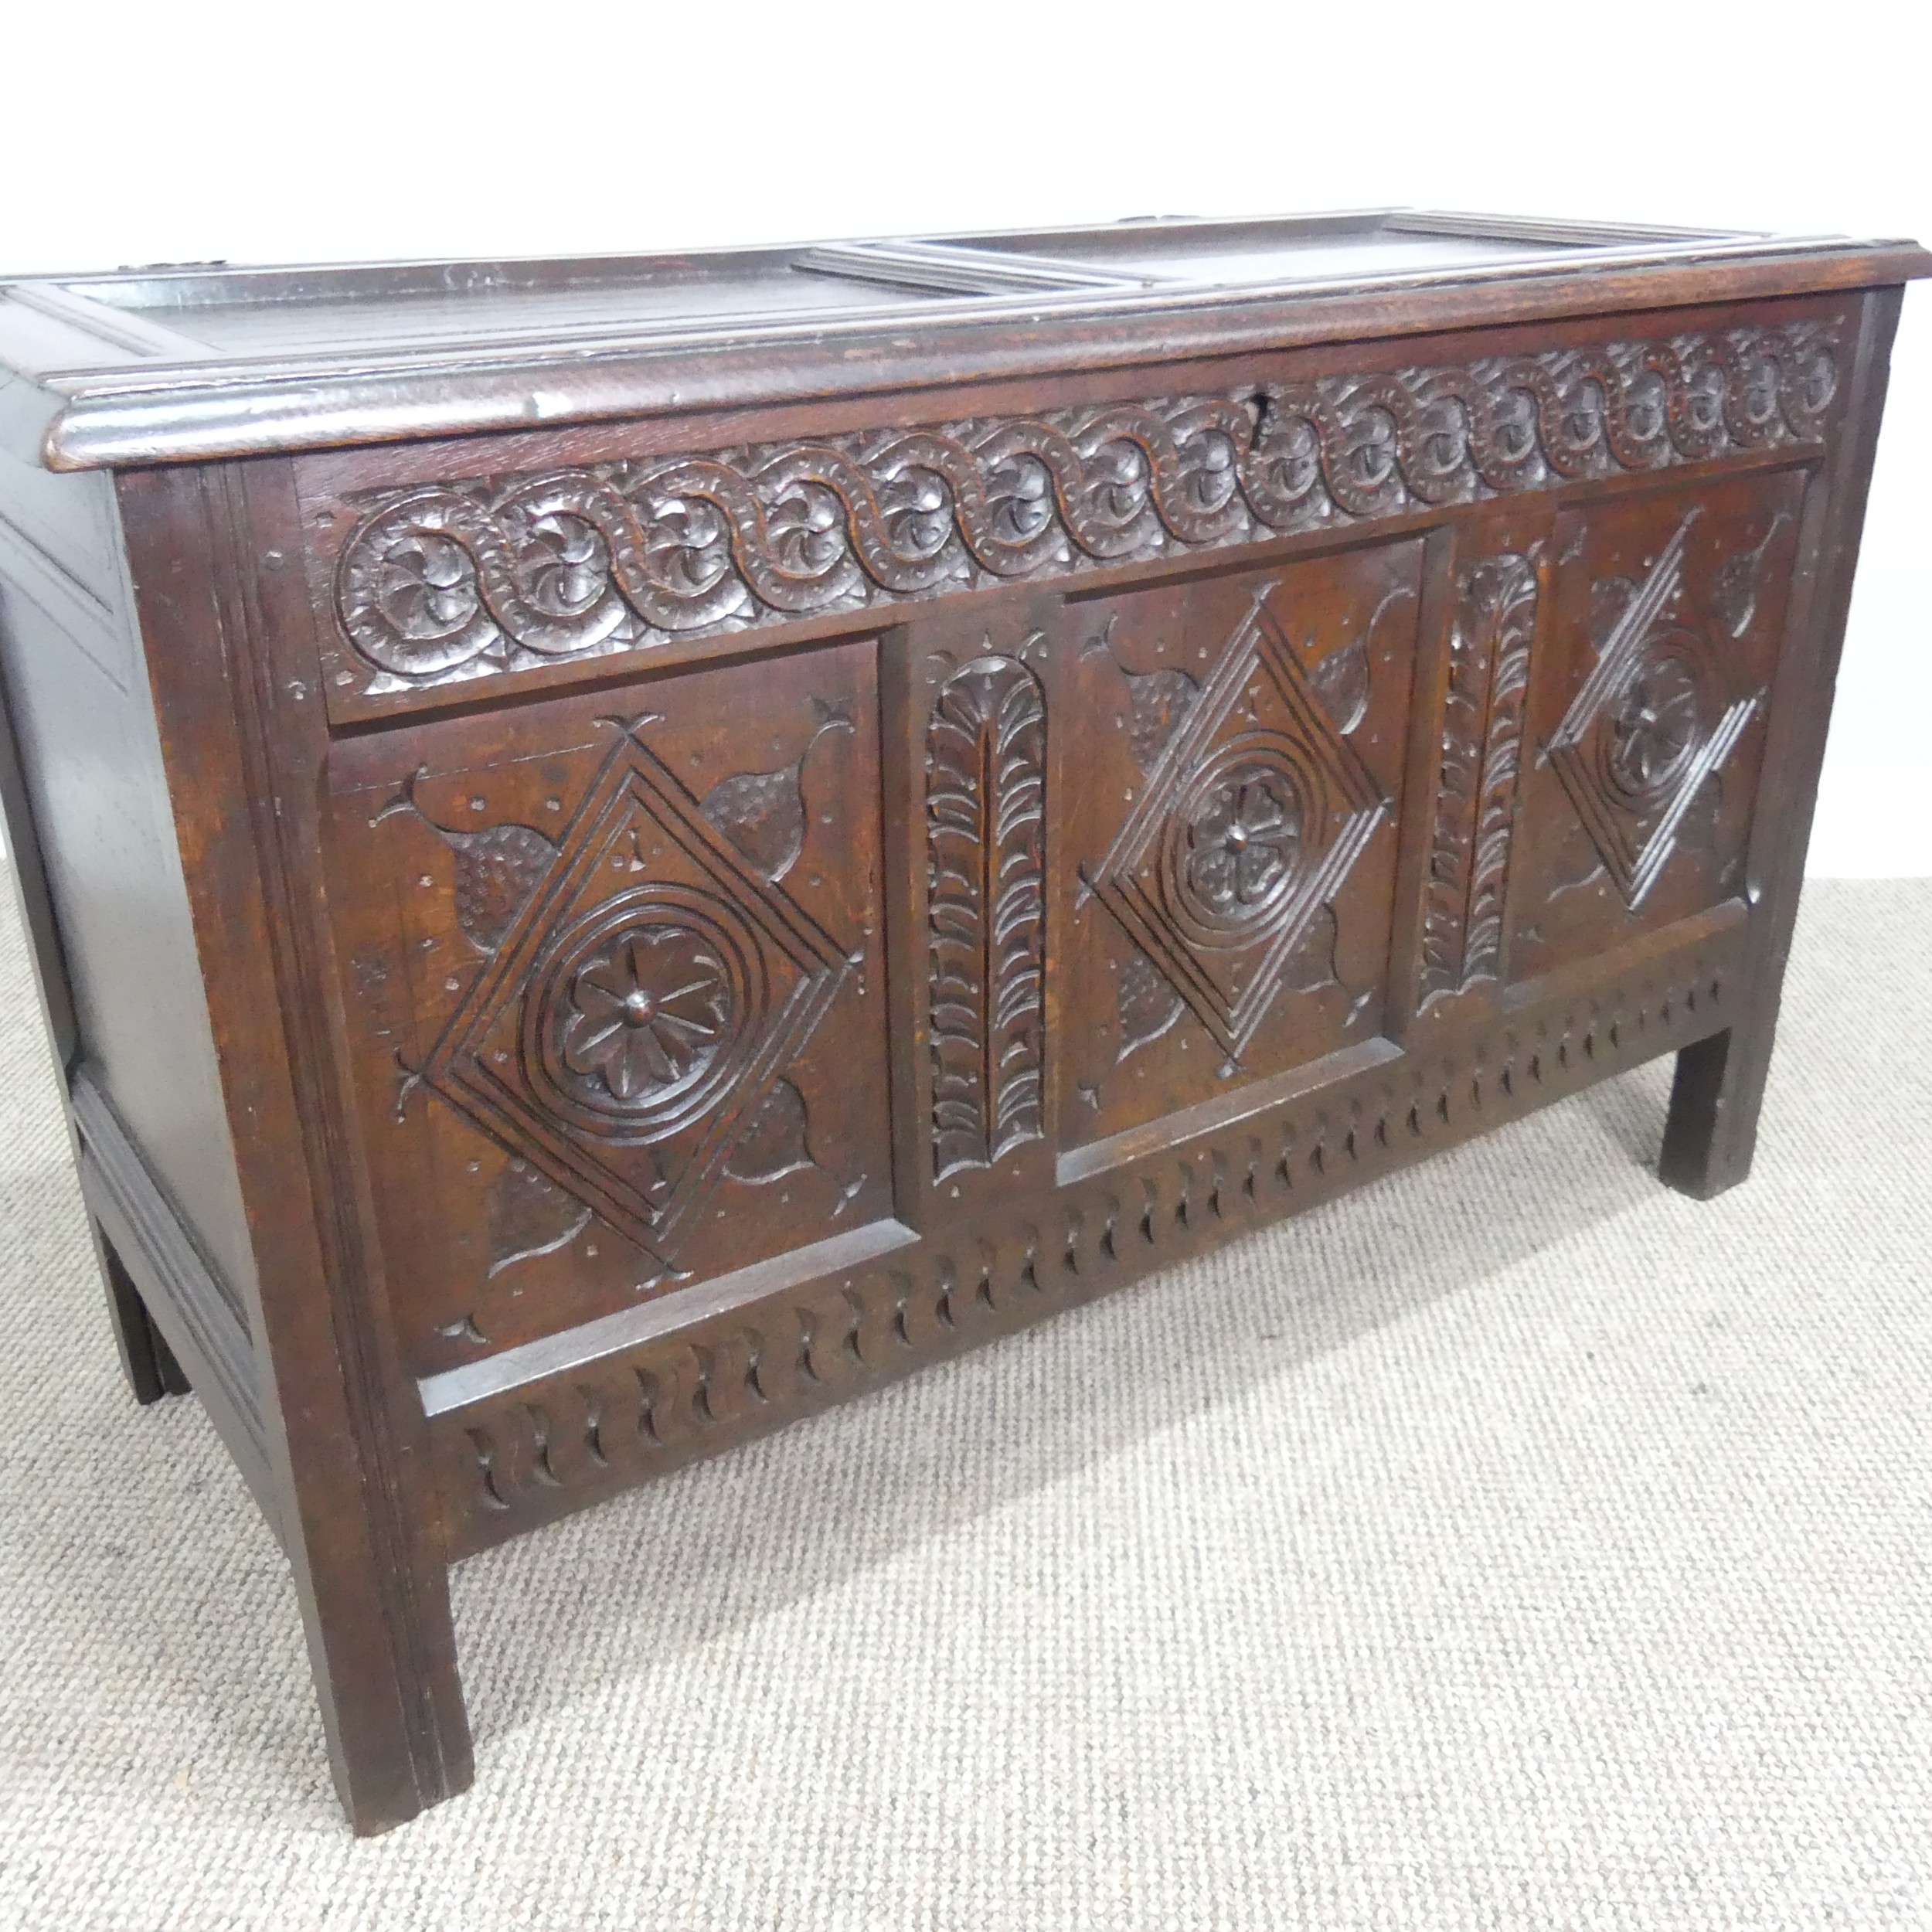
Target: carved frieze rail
[[464, 579]]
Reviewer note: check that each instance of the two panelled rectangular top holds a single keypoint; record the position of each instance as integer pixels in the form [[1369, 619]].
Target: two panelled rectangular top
[[201, 360]]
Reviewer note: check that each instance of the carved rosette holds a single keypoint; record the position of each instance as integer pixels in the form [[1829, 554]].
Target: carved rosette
[[466, 579], [1254, 812], [627, 1039], [985, 795], [641, 1014], [1495, 625], [1237, 839], [1653, 721]]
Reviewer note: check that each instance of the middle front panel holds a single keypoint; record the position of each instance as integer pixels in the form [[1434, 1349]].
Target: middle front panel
[[1230, 757]]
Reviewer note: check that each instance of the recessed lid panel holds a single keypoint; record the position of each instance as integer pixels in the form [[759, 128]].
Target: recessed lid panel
[[221, 313], [294, 312], [1272, 252]]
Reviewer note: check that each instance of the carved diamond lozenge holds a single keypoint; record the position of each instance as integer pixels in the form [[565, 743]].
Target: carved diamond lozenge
[[1253, 814], [634, 1022], [1653, 720]]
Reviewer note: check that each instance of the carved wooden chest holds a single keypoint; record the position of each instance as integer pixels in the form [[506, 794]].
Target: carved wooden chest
[[620, 850]]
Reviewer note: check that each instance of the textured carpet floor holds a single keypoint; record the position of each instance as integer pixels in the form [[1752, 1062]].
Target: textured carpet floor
[[1515, 1544]]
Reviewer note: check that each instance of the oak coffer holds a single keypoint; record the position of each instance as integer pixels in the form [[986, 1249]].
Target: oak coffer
[[620, 849]]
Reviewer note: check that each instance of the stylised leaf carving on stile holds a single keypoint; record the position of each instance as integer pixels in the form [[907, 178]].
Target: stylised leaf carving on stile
[[1495, 624], [484, 575], [985, 796]]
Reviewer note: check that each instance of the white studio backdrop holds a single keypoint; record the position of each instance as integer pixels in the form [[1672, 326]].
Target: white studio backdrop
[[268, 133]]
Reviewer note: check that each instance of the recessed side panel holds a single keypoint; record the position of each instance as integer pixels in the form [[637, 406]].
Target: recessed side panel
[[120, 926], [617, 984], [1648, 712], [1229, 761]]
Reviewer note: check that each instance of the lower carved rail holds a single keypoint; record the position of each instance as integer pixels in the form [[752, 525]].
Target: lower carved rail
[[551, 1446]]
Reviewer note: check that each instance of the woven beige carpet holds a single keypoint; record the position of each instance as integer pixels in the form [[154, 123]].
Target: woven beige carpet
[[1515, 1544]]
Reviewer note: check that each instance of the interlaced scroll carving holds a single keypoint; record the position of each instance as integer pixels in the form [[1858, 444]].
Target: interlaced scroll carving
[[468, 578], [985, 793]]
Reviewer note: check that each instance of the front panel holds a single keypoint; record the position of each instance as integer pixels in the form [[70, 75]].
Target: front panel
[[618, 985], [1233, 800], [1647, 716], [835, 888]]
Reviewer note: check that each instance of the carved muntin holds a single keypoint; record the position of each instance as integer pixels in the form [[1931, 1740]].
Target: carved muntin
[[986, 911], [1496, 600], [971, 829]]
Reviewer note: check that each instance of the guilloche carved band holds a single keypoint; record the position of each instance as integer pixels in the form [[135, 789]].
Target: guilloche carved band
[[461, 580]]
